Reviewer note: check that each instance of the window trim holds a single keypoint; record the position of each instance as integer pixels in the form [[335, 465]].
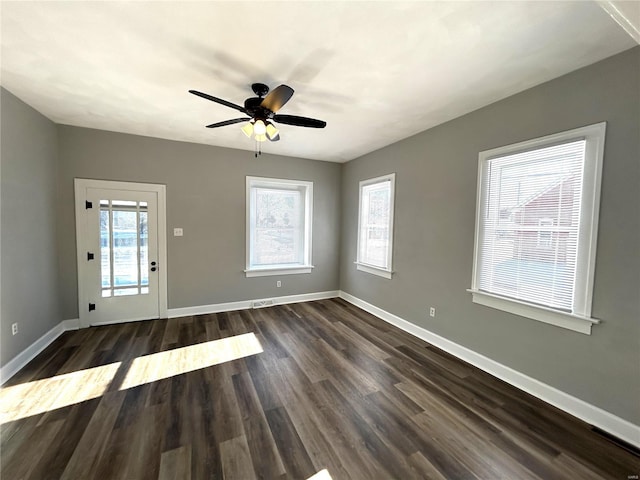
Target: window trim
[[288, 269], [367, 267], [580, 320]]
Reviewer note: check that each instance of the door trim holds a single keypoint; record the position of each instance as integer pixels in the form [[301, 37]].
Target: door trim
[[80, 186]]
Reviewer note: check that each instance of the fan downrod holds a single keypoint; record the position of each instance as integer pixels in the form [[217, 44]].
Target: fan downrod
[[260, 89]]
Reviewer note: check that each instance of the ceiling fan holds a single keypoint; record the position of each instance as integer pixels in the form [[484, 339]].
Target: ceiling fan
[[261, 112]]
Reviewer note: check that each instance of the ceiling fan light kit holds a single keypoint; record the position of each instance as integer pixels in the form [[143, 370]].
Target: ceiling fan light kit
[[261, 112]]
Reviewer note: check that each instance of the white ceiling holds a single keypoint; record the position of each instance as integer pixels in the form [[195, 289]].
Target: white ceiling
[[376, 72]]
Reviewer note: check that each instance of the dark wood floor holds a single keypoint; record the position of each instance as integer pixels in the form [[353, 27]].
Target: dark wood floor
[[335, 388]]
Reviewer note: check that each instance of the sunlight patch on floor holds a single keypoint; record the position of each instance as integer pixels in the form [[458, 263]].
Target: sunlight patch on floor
[[157, 366], [321, 475], [40, 396]]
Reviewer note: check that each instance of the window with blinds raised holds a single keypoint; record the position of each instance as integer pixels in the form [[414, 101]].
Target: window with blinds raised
[[375, 225], [278, 226], [536, 225]]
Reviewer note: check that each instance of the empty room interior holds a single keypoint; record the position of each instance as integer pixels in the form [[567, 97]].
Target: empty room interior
[[320, 240]]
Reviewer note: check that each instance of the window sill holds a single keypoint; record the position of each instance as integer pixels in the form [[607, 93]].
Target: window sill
[[381, 272], [270, 271], [569, 321]]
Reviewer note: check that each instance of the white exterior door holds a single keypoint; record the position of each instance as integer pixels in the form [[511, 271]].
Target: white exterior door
[[120, 231]]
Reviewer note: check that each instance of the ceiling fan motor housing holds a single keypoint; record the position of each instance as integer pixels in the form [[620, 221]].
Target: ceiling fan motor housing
[[260, 89], [254, 109]]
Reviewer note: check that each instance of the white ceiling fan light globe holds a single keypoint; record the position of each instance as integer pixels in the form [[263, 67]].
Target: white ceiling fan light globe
[[261, 138], [259, 128]]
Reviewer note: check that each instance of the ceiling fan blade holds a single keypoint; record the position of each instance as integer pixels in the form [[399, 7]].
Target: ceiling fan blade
[[277, 98], [229, 122], [299, 121], [218, 100], [274, 139]]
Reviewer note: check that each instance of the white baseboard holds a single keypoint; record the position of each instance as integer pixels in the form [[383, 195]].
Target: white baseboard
[[246, 304], [11, 368], [203, 309], [591, 414]]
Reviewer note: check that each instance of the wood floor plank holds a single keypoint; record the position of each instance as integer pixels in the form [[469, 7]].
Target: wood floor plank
[[383, 459], [41, 438], [145, 448], [334, 389], [262, 446], [267, 393], [236, 459], [53, 461], [344, 371], [310, 364], [424, 468], [311, 430], [91, 446], [176, 464], [294, 456]]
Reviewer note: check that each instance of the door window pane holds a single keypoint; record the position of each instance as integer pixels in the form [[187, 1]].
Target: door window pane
[[105, 247], [124, 250], [144, 249], [121, 292]]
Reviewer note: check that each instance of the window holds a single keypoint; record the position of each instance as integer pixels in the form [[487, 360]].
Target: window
[[536, 224], [375, 225], [278, 226], [545, 235]]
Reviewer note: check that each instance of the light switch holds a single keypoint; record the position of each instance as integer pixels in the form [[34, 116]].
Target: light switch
[[177, 232]]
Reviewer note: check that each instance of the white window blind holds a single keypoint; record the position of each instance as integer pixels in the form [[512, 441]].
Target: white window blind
[[375, 224], [531, 224], [537, 217]]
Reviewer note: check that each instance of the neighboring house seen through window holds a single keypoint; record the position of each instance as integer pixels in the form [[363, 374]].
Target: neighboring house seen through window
[[375, 225], [537, 216], [279, 216]]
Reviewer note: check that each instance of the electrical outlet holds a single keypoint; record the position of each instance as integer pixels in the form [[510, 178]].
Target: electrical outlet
[[432, 311], [14, 328], [278, 283]]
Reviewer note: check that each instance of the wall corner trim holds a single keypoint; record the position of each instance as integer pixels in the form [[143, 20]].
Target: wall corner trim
[[12, 367], [591, 414]]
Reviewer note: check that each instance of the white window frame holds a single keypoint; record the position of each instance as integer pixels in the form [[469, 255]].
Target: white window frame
[[277, 183], [579, 319], [360, 265]]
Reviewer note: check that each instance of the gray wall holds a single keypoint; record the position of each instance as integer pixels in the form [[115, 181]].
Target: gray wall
[[29, 147], [435, 208], [206, 197], [434, 232]]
